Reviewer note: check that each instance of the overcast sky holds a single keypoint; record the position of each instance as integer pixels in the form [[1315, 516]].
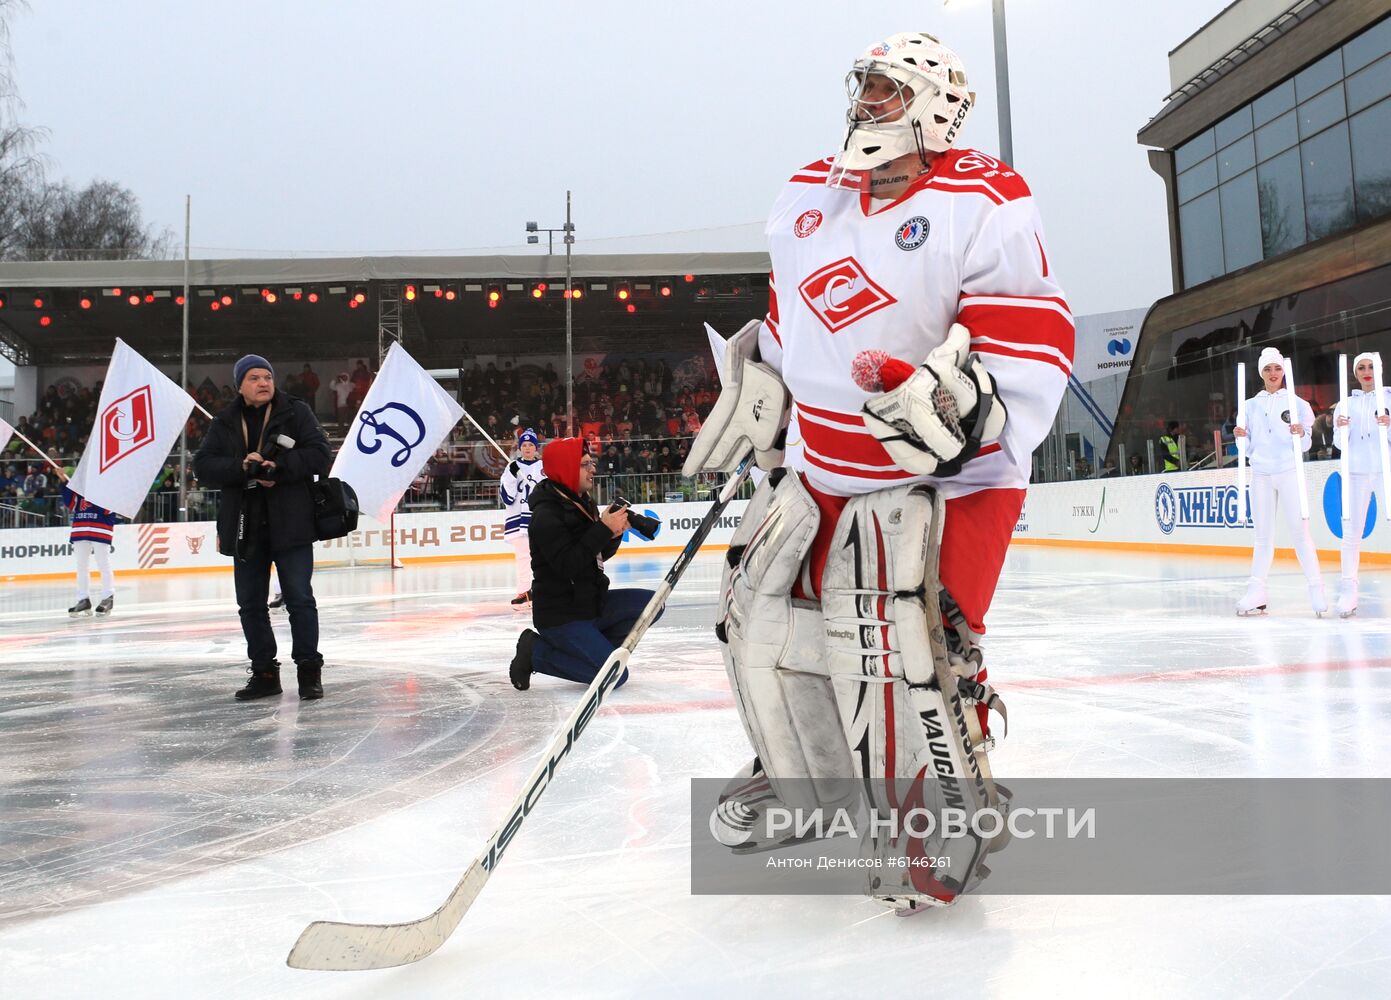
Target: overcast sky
[[354, 127]]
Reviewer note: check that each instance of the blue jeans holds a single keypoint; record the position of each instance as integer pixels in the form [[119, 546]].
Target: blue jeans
[[576, 650], [252, 578]]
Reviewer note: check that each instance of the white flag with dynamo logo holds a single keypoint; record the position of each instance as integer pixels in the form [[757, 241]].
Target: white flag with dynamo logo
[[139, 417], [401, 422], [6, 432]]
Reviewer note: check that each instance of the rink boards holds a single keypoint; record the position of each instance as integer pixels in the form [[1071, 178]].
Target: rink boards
[[40, 553], [1194, 512]]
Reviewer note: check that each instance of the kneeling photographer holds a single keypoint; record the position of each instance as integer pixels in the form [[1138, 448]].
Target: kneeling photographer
[[263, 451], [579, 620]]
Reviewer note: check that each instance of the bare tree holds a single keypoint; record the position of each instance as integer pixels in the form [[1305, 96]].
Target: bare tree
[[21, 164], [99, 222], [41, 220]]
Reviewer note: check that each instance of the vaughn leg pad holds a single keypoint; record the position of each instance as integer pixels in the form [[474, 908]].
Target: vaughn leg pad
[[908, 728]]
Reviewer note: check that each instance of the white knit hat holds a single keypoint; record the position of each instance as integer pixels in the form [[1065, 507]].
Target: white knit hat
[[1358, 360], [1270, 356]]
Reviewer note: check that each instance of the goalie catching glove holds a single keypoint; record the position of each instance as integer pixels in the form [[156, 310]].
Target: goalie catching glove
[[937, 419], [752, 412]]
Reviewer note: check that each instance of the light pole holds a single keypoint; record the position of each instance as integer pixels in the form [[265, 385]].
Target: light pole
[[569, 239], [1001, 81]]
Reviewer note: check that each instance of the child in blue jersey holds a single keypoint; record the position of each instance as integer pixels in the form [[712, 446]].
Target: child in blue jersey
[[514, 492], [93, 529]]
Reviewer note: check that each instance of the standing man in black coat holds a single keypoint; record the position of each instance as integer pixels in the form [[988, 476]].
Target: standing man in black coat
[[263, 450], [579, 620]]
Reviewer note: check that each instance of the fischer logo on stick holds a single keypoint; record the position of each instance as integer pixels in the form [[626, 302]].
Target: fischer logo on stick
[[127, 425]]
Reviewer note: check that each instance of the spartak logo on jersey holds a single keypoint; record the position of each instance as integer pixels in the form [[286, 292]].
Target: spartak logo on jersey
[[127, 425], [806, 223], [842, 293]]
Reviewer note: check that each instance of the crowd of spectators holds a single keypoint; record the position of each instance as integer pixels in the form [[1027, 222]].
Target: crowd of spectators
[[633, 400], [637, 415]]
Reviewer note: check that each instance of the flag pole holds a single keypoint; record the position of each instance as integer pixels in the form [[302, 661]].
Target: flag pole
[[183, 371], [486, 436], [40, 452]]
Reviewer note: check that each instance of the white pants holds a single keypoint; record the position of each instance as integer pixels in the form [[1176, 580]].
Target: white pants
[[1267, 493], [84, 551], [519, 541], [1360, 489]]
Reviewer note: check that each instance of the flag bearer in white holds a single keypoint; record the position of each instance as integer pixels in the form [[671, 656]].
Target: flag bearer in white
[[1274, 482], [1359, 431], [892, 518], [514, 492]]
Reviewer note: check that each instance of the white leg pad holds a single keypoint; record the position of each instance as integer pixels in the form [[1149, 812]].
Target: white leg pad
[[774, 649], [904, 719]]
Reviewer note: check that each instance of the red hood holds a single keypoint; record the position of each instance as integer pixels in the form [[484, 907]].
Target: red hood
[[561, 460]]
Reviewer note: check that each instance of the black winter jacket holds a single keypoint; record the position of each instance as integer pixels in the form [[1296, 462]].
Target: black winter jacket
[[288, 518], [567, 541]]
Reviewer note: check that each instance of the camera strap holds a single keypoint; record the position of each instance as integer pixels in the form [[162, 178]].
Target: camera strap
[[246, 436]]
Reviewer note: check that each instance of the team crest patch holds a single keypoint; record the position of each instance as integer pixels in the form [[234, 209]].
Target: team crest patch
[[806, 223], [912, 234]]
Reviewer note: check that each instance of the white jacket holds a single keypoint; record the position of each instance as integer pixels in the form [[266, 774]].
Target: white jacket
[[1268, 423], [1359, 438]]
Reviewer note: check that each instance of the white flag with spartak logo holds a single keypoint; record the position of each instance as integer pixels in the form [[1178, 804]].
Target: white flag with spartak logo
[[139, 417], [401, 422], [6, 432]]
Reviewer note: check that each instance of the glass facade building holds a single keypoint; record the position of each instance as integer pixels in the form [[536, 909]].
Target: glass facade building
[[1188, 375], [1278, 166], [1307, 159]]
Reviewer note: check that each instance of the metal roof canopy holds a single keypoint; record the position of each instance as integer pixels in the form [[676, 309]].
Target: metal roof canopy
[[439, 332], [343, 270]]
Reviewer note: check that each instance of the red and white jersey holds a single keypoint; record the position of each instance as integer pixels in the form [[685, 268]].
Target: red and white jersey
[[963, 244]]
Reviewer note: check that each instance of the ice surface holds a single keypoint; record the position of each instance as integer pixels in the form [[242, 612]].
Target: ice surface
[[158, 839]]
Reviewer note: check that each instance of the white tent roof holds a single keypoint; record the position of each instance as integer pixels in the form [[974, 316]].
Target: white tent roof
[[348, 270]]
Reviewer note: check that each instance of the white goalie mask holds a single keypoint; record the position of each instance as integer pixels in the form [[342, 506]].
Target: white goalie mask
[[908, 94]]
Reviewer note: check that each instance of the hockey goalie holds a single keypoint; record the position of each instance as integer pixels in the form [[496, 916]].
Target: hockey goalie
[[916, 332]]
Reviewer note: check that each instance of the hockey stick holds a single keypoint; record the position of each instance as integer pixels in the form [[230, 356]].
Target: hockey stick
[[336, 947]]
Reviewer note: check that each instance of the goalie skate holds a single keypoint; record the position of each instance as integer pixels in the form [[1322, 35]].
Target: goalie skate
[[740, 820]]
